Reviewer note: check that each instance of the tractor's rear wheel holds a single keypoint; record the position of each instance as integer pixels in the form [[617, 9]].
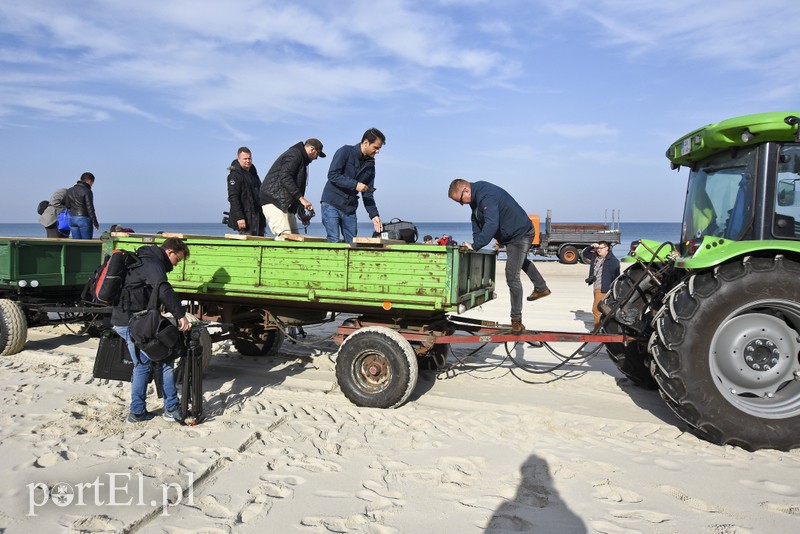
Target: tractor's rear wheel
[[726, 350]]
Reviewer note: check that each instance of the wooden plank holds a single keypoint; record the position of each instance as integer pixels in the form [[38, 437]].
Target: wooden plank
[[376, 241], [242, 237], [304, 238]]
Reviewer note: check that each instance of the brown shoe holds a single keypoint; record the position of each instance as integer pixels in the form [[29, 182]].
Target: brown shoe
[[536, 295], [516, 326]]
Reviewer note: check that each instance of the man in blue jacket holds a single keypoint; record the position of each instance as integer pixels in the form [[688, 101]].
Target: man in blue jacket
[[603, 270], [352, 171], [496, 215]]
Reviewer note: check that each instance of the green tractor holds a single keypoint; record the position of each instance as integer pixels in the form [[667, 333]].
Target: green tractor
[[714, 320]]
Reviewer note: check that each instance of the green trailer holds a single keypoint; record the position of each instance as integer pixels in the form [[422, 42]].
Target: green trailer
[[265, 288], [41, 281]]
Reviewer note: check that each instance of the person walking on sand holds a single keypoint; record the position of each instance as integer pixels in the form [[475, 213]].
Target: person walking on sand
[[603, 270], [496, 215]]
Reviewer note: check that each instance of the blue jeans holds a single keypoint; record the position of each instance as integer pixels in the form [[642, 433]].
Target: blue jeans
[[337, 222], [81, 227], [516, 261], [141, 375]]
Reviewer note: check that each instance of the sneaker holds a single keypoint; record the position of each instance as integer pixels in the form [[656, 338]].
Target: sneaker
[[536, 295], [173, 415], [139, 417], [516, 326]]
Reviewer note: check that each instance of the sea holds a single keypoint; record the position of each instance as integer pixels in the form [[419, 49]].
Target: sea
[[460, 231]]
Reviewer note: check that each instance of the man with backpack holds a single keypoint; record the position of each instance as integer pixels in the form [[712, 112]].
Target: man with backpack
[[140, 282]]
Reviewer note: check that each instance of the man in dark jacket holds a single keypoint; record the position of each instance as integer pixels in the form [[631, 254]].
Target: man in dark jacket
[[140, 281], [603, 270], [244, 214], [352, 171], [496, 215], [80, 204], [284, 187]]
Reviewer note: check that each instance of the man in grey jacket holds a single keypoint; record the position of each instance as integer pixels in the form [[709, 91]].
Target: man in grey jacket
[[49, 217], [284, 187]]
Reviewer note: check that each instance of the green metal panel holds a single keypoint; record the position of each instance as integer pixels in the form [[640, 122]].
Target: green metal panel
[[325, 275], [50, 262]]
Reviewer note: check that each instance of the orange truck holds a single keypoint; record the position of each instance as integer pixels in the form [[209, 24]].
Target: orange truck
[[567, 241]]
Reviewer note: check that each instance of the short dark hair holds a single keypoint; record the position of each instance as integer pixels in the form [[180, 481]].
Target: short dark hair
[[372, 135], [176, 244], [243, 149], [87, 177]]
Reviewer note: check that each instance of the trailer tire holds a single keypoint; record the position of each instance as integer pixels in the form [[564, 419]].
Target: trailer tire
[[267, 343], [735, 379], [568, 254], [13, 328], [376, 367]]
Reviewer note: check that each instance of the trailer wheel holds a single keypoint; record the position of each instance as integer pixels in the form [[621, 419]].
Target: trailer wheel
[[13, 327], [726, 350], [261, 343], [376, 367], [568, 254]]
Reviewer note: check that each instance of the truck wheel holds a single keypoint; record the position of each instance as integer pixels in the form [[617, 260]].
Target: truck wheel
[[726, 352], [568, 254], [13, 328], [262, 343], [629, 316], [376, 367]]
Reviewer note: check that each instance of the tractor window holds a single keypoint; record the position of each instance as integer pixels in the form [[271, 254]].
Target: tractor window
[[787, 197], [719, 199]]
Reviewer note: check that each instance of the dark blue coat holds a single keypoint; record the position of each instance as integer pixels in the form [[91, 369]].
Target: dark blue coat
[[496, 215], [609, 273], [348, 167]]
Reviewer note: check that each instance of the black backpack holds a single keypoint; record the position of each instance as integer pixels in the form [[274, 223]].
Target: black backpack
[[105, 285], [42, 206]]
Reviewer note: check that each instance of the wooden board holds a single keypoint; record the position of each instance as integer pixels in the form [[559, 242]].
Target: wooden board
[[303, 237], [249, 237], [377, 241]]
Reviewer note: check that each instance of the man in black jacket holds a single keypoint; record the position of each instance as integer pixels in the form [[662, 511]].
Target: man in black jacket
[[157, 261], [284, 187], [80, 204], [243, 184]]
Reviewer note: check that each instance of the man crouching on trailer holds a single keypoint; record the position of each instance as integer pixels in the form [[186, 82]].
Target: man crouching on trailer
[[496, 215], [157, 261]]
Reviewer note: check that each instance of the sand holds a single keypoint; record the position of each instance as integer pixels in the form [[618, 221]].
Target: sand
[[488, 447]]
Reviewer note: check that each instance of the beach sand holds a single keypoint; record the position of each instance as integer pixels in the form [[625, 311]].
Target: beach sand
[[488, 447]]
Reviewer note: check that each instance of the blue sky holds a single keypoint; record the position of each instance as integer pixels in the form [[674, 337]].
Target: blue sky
[[568, 104]]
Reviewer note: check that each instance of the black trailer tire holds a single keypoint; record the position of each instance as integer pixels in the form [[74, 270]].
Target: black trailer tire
[[633, 358], [568, 254], [726, 353], [13, 328], [376, 367], [268, 343]]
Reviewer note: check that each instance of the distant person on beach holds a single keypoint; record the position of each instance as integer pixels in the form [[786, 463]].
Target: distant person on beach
[[284, 187], [352, 171], [603, 270], [427, 240], [495, 214], [80, 204], [157, 261], [49, 217], [245, 214]]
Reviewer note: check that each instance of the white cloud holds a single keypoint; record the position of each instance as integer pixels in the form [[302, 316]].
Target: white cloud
[[580, 130]]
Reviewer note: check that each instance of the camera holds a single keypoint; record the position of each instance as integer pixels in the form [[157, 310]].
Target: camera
[[591, 280], [225, 215]]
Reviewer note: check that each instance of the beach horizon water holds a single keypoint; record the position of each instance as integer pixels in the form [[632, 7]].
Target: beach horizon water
[[460, 231]]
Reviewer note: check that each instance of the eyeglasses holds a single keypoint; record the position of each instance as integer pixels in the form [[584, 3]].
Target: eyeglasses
[[178, 256], [461, 198]]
